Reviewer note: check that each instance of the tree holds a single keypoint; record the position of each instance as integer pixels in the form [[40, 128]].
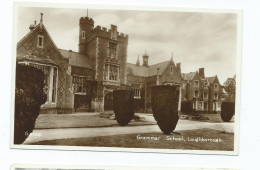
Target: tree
[[230, 89]]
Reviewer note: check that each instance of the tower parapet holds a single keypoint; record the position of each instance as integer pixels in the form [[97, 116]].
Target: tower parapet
[[86, 25]]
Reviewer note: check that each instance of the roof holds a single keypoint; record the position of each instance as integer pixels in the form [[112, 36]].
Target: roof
[[34, 58], [133, 69], [210, 79], [144, 71], [77, 59], [188, 76], [152, 71], [34, 30]]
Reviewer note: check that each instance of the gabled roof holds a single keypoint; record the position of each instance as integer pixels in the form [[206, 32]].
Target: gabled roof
[[188, 76], [77, 59], [152, 71], [211, 79], [133, 69], [143, 71], [32, 31]]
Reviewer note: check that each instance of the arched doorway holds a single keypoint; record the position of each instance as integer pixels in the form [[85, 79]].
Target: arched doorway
[[108, 104]]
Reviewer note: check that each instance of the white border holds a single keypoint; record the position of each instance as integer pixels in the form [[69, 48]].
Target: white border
[[98, 167], [148, 8]]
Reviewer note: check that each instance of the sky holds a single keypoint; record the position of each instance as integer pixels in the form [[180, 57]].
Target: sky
[[195, 39]]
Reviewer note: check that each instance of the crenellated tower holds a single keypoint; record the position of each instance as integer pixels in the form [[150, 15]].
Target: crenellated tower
[[86, 25]]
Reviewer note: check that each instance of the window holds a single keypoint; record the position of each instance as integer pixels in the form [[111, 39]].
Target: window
[[50, 81], [171, 69], [137, 93], [215, 95], [205, 84], [54, 88], [40, 41], [111, 72], [196, 94], [83, 34], [79, 84], [112, 50], [196, 83], [215, 87], [205, 105], [205, 95], [199, 106]]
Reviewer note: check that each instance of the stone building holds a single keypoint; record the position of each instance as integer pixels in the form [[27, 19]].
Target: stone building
[[85, 80], [77, 81], [204, 92], [142, 77]]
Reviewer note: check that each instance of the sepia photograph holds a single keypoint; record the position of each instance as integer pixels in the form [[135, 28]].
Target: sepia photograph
[[135, 79], [71, 167]]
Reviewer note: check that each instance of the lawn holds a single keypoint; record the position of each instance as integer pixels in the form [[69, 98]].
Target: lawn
[[213, 118], [202, 139], [54, 121]]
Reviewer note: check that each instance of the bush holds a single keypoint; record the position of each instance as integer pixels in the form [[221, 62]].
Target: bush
[[123, 103], [186, 107], [165, 107], [227, 111], [29, 97]]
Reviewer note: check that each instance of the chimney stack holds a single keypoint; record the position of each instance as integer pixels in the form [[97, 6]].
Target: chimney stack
[[138, 61], [201, 73], [41, 20], [157, 78], [178, 65]]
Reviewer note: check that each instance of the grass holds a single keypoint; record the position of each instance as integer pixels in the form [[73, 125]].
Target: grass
[[213, 118], [148, 140], [54, 121]]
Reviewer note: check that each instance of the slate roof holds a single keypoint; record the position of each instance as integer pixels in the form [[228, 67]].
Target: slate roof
[[77, 59], [143, 71], [133, 69], [210, 79], [152, 71], [188, 76]]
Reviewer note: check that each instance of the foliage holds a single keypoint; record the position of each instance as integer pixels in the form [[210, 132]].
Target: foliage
[[165, 107], [123, 103], [227, 111], [29, 96], [230, 89], [186, 107]]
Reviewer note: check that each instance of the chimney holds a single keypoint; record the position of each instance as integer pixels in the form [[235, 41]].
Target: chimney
[[32, 26], [201, 73], [138, 61], [157, 78], [178, 65], [41, 20]]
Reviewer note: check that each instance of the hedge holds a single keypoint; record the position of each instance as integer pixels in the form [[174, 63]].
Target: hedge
[[227, 111], [123, 104], [29, 96], [187, 107], [165, 107]]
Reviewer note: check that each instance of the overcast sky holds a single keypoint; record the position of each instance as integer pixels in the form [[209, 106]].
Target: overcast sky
[[196, 39]]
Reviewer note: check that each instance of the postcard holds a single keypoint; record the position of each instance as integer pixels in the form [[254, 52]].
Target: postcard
[[119, 78]]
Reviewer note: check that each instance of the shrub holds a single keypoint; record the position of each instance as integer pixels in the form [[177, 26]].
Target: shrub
[[165, 107], [123, 103], [186, 107], [227, 111], [29, 97]]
